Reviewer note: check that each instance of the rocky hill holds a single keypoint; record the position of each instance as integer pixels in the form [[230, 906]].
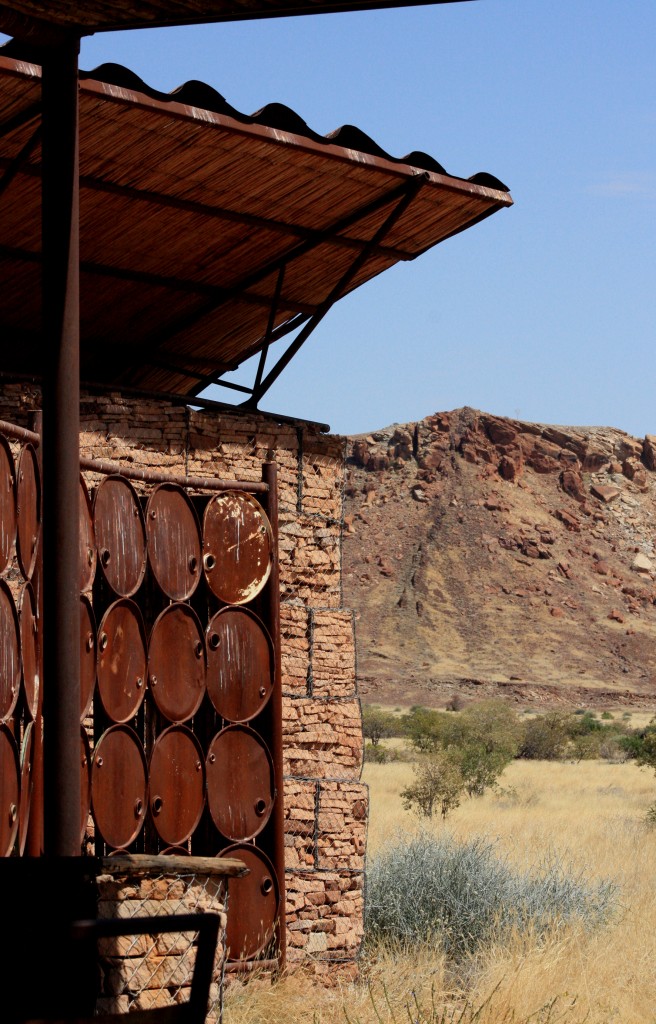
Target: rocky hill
[[488, 556]]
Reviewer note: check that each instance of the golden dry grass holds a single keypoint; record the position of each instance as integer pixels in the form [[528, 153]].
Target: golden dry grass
[[592, 814]]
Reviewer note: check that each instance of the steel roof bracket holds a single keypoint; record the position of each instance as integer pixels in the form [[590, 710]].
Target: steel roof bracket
[[408, 195]]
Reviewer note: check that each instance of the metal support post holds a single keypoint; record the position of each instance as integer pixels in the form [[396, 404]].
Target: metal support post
[[61, 467]]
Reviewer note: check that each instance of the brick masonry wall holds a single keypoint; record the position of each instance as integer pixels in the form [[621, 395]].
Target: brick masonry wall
[[325, 804]]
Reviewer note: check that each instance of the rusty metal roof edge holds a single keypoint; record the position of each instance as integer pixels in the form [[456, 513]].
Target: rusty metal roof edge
[[138, 93]]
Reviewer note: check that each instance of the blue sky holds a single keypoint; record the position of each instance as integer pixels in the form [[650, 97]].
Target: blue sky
[[545, 312]]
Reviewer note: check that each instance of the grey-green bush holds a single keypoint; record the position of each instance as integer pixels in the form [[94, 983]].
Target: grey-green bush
[[460, 895]]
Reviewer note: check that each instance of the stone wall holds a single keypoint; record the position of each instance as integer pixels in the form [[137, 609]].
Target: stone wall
[[325, 804]]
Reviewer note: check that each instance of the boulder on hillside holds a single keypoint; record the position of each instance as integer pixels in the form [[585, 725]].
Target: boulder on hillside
[[500, 432], [509, 468], [572, 484], [649, 451], [604, 492], [642, 564], [628, 447]]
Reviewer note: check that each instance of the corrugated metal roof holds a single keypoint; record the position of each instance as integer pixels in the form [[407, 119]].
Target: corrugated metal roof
[[206, 233], [27, 17]]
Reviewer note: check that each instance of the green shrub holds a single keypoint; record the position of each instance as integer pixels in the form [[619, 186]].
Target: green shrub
[[545, 737], [377, 724], [461, 894], [478, 767], [376, 753], [438, 785]]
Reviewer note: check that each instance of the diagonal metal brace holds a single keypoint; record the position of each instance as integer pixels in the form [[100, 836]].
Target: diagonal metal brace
[[409, 194]]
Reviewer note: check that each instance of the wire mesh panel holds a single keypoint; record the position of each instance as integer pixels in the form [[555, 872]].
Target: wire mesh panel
[[153, 969]]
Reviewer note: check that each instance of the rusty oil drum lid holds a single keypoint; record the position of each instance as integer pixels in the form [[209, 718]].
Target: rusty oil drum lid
[[10, 660], [30, 645], [254, 901], [26, 783], [119, 785], [9, 791], [88, 654], [177, 784], [85, 781], [28, 509], [173, 538], [239, 664], [177, 662], [122, 660], [237, 547], [88, 557], [7, 503], [240, 786], [120, 533]]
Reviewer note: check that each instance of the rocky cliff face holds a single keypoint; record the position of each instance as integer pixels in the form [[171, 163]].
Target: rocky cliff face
[[486, 556]]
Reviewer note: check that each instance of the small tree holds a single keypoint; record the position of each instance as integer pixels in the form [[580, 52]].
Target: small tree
[[438, 784], [545, 737], [376, 723], [479, 767]]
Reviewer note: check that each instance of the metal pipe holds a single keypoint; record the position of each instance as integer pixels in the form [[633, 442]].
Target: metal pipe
[[61, 467], [156, 476], [19, 433], [270, 477]]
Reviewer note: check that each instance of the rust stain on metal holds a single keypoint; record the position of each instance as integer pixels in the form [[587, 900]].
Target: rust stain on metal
[[120, 535], [88, 654], [250, 931], [10, 662], [239, 664], [173, 536], [177, 784], [88, 555], [7, 503], [119, 785], [122, 660], [177, 662], [30, 644], [26, 784], [28, 509], [85, 781], [240, 787], [237, 547], [9, 791]]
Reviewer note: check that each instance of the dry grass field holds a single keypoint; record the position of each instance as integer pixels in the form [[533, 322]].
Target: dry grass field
[[589, 814]]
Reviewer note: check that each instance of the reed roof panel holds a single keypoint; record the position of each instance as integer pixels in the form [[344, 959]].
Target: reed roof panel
[[32, 16], [195, 220]]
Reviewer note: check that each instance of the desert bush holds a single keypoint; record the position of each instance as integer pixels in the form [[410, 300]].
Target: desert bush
[[494, 725], [375, 753], [438, 785], [377, 724], [647, 753], [585, 747], [460, 895], [429, 730], [611, 749], [545, 737], [491, 724], [479, 767], [582, 725]]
